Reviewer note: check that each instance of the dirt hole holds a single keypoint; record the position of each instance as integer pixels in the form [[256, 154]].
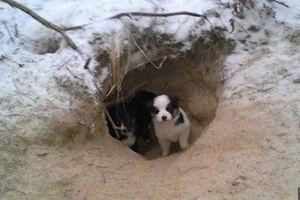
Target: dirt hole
[[43, 44], [196, 78]]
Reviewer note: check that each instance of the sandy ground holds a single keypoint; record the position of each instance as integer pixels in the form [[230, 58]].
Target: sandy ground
[[248, 152]]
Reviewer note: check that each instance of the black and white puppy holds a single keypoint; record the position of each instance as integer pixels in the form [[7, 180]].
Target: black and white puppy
[[171, 123], [121, 115]]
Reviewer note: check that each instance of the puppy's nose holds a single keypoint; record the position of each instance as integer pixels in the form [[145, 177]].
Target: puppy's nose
[[164, 118]]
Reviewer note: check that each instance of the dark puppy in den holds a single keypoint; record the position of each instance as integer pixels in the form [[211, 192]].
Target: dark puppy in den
[[171, 123], [143, 119], [132, 119], [122, 116]]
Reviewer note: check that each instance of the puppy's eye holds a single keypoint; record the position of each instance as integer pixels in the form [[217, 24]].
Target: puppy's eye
[[154, 110], [169, 108]]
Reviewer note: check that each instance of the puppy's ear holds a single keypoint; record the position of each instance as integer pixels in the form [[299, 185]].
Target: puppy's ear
[[149, 104], [151, 108], [175, 99]]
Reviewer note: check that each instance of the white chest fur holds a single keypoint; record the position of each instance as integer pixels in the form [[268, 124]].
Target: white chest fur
[[172, 132], [130, 140]]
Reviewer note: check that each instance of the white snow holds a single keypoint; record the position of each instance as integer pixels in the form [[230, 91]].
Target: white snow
[[261, 69]]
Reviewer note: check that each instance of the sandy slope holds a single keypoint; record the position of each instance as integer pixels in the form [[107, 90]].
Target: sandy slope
[[245, 154]]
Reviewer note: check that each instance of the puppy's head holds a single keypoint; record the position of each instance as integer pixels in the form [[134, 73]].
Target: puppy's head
[[164, 108], [142, 97], [124, 130]]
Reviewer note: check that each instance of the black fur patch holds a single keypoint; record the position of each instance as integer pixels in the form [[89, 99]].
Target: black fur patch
[[173, 106], [180, 120], [142, 115]]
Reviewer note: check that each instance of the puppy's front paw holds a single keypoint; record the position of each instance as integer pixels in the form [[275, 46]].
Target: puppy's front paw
[[185, 147], [164, 154]]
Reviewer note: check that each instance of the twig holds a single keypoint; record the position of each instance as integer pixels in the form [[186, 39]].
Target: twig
[[16, 31], [44, 22], [86, 65], [137, 45], [11, 38], [232, 25], [120, 167], [226, 5], [221, 2], [100, 101], [74, 75], [127, 64], [110, 91], [3, 57], [128, 94], [72, 28], [61, 66], [236, 21], [162, 62], [18, 92], [144, 14], [279, 2], [260, 90]]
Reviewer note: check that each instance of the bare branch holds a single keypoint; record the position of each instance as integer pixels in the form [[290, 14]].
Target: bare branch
[[143, 52], [232, 25], [129, 93], [11, 38], [143, 14], [279, 2], [104, 107], [86, 65], [44, 22], [16, 31], [72, 28]]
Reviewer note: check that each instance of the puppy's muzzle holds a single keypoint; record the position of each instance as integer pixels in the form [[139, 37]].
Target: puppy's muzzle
[[164, 118]]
